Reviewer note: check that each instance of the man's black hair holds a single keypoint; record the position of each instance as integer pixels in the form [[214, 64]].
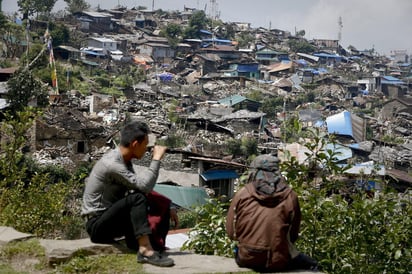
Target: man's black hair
[[132, 131]]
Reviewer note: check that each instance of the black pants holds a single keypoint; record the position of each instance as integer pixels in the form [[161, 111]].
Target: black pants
[[127, 217]]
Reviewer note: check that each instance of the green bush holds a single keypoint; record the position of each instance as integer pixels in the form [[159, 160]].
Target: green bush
[[41, 200], [246, 146], [234, 147], [346, 229], [173, 141], [187, 218], [209, 236]]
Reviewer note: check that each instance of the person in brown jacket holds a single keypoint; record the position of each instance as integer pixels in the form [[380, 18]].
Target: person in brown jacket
[[264, 218]]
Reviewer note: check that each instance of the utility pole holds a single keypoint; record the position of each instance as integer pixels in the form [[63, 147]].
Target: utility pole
[[340, 24], [212, 13]]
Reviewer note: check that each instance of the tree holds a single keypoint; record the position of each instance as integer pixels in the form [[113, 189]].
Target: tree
[[197, 22], [245, 39], [3, 19], [60, 34], [172, 32], [74, 6], [301, 46], [31, 7], [24, 89], [12, 37]]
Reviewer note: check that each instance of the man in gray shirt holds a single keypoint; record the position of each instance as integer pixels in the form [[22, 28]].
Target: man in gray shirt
[[111, 210]]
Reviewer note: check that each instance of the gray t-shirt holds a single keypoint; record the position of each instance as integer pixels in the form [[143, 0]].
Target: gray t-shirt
[[111, 178]]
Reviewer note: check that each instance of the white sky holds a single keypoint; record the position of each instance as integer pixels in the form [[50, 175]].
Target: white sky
[[384, 25]]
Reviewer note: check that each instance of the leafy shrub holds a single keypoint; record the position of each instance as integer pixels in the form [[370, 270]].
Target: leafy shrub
[[242, 147], [41, 200], [249, 147], [234, 147], [209, 236], [38, 207], [187, 218], [173, 141]]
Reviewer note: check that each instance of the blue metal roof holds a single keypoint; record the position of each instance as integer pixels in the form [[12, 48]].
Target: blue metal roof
[[93, 53], [340, 123], [212, 175], [205, 32], [217, 40], [391, 80]]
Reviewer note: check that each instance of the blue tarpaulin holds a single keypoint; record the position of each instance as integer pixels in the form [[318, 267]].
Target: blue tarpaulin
[[165, 77]]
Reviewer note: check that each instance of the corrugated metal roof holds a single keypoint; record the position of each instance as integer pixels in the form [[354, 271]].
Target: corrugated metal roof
[[96, 14], [325, 55], [232, 100], [103, 39], [269, 52], [342, 152], [94, 53], [308, 56], [346, 123], [280, 66], [212, 175], [254, 67], [68, 48], [391, 80], [367, 168]]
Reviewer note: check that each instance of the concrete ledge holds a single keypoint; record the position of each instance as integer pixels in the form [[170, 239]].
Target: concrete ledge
[[59, 251], [9, 234]]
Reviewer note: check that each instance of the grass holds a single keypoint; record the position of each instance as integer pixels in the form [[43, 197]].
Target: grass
[[28, 256], [13, 256]]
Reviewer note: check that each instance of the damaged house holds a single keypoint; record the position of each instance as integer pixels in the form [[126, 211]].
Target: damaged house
[[64, 132]]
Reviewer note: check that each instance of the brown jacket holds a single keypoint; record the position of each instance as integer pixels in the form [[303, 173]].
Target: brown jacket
[[264, 226]]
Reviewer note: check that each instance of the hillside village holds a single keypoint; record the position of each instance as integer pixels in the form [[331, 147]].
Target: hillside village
[[210, 89]]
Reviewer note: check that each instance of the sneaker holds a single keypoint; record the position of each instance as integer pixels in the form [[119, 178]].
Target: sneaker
[[156, 259]]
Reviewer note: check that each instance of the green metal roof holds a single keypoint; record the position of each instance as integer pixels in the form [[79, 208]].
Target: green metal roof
[[232, 100]]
